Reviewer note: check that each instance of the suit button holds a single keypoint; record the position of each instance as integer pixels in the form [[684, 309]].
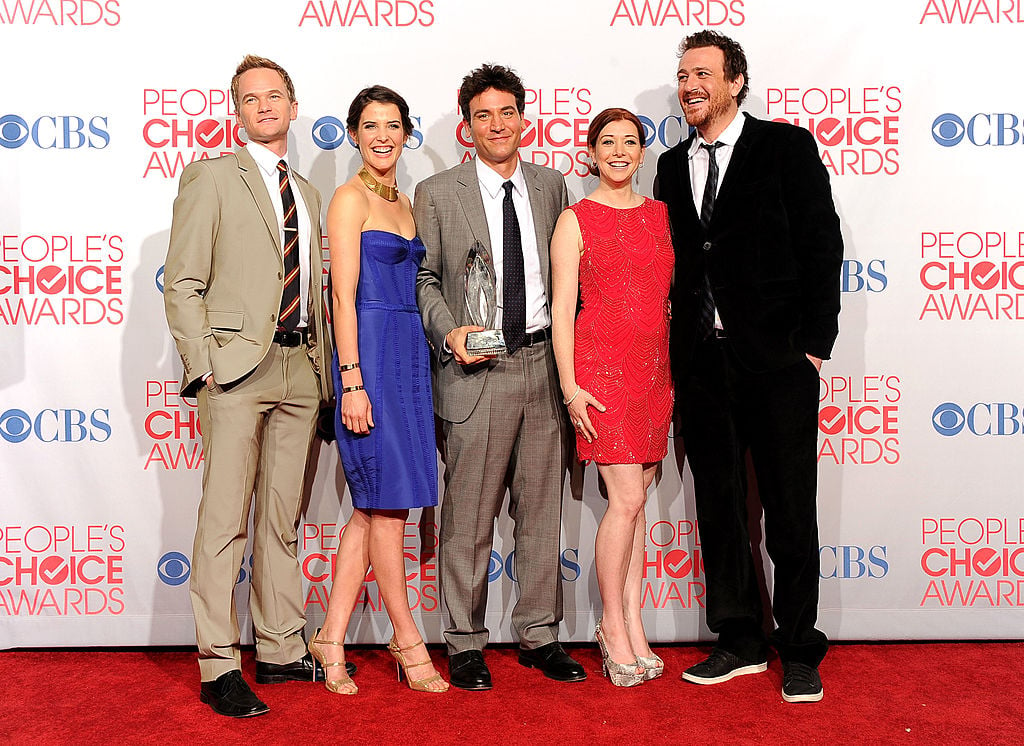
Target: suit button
[[707, 246], [273, 317], [280, 275]]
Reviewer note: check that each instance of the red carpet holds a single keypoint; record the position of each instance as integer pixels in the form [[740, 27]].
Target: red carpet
[[874, 693]]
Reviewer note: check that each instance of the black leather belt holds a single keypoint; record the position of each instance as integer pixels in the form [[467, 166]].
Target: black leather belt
[[720, 333], [295, 338], [533, 338]]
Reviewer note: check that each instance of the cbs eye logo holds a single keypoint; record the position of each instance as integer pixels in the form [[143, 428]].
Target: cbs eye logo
[[15, 425], [948, 419], [174, 568], [328, 133], [14, 131], [948, 130], [159, 279]]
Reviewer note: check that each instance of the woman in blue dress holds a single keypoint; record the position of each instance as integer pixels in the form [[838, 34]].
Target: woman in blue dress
[[384, 419]]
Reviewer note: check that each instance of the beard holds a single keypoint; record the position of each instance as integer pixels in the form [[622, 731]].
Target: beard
[[717, 105]]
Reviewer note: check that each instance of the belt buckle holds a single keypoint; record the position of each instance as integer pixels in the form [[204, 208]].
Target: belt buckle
[[289, 338]]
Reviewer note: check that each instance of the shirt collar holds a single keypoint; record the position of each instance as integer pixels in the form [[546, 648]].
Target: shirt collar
[[491, 181], [265, 158], [728, 137]]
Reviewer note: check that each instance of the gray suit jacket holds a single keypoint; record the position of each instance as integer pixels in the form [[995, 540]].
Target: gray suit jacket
[[450, 218], [224, 273]]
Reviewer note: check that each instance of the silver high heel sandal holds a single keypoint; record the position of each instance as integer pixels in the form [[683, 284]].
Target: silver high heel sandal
[[620, 674], [653, 666]]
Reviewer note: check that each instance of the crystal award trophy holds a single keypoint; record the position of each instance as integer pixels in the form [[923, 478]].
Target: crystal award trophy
[[482, 303]]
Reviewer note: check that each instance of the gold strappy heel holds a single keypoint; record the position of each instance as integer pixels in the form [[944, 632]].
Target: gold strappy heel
[[417, 685], [336, 685]]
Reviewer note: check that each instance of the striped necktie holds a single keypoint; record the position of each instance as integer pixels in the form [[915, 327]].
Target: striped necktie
[[289, 317]]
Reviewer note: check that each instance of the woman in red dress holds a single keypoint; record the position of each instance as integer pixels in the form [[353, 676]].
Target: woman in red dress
[[612, 251]]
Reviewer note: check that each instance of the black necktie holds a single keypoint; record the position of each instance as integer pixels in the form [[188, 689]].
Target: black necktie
[[706, 321], [513, 285], [289, 317], [707, 204]]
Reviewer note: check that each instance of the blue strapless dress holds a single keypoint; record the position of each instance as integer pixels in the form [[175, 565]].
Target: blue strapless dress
[[394, 467]]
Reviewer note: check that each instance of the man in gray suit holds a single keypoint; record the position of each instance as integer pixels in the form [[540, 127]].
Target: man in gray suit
[[502, 416]]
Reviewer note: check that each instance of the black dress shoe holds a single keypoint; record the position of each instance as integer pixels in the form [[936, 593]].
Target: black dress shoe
[[304, 669], [229, 695], [553, 661], [467, 670]]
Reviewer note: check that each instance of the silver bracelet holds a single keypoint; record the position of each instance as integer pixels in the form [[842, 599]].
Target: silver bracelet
[[568, 401]]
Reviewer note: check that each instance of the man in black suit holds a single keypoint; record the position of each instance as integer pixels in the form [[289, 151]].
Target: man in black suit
[[755, 311]]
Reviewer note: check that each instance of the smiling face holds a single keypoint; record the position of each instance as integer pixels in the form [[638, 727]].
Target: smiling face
[[618, 152], [496, 126], [380, 137], [707, 98], [264, 109]]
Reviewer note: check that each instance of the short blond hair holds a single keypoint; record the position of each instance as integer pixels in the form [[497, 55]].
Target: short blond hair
[[252, 62]]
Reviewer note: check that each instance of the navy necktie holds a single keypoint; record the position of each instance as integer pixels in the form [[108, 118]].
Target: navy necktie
[[289, 317], [513, 285]]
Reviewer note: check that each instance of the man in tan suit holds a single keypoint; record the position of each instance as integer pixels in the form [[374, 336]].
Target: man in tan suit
[[243, 303]]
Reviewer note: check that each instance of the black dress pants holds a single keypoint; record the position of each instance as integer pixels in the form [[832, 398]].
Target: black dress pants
[[726, 410]]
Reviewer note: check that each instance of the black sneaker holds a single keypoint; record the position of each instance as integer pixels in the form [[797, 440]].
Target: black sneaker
[[721, 666], [800, 683]]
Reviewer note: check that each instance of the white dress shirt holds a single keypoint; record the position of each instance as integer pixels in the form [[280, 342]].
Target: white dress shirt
[[699, 160], [267, 160], [492, 193]]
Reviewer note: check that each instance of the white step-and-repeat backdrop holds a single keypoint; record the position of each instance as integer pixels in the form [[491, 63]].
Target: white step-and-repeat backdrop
[[916, 108]]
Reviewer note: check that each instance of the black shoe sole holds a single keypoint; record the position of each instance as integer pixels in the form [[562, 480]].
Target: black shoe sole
[[747, 670], [472, 687], [206, 700]]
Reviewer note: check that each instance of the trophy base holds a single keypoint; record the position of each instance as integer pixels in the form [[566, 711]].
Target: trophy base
[[490, 342]]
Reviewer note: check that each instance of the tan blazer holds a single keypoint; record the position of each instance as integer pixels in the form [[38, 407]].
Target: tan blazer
[[450, 218], [224, 273]]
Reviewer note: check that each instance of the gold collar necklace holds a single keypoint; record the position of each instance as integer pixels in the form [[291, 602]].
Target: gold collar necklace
[[390, 193]]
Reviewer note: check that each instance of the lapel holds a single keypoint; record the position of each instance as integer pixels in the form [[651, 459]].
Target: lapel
[[541, 217], [250, 174], [683, 164], [467, 189], [736, 163]]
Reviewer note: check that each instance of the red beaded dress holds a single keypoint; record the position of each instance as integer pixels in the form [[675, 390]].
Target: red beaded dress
[[621, 332]]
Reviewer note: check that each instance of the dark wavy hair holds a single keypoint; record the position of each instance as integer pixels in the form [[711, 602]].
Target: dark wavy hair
[[377, 94], [735, 59], [252, 62], [498, 77], [602, 120]]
